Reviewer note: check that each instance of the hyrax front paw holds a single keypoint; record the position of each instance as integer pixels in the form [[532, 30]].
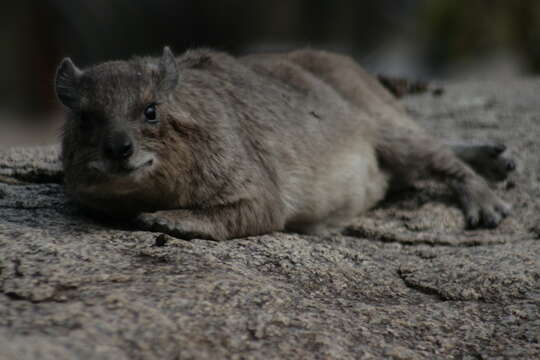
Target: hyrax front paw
[[481, 206], [492, 161], [156, 222]]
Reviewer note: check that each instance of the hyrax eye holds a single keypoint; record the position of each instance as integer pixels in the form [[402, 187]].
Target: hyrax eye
[[86, 120], [150, 113]]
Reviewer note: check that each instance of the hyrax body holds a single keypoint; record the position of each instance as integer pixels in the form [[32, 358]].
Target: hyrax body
[[211, 146]]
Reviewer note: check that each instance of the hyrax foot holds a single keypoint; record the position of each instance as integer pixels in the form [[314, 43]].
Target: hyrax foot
[[166, 222], [492, 161], [481, 206], [220, 223]]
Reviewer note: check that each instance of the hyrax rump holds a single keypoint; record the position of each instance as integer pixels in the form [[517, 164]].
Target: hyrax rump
[[211, 146]]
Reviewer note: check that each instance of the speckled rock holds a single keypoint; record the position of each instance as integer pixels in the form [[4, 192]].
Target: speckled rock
[[405, 281]]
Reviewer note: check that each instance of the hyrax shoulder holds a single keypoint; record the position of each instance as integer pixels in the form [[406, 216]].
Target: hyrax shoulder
[[207, 145]]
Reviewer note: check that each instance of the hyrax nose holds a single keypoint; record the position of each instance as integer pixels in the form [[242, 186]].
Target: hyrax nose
[[118, 147]]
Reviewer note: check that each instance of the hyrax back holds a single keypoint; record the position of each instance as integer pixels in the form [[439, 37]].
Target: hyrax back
[[206, 145]]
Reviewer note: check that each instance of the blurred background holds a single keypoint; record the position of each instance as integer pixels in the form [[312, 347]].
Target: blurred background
[[417, 39]]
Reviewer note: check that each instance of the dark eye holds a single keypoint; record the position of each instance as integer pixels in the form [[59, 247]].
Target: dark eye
[[84, 116], [150, 113], [85, 120]]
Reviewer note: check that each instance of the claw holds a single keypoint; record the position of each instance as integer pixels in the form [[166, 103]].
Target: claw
[[472, 222], [511, 165], [162, 222], [490, 222], [504, 210], [497, 150]]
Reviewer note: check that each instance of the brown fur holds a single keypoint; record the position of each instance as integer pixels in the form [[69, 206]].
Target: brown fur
[[302, 141]]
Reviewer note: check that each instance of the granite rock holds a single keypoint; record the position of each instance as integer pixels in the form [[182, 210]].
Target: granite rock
[[404, 281]]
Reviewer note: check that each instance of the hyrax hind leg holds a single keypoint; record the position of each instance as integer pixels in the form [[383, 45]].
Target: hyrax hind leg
[[416, 155], [489, 160], [403, 149]]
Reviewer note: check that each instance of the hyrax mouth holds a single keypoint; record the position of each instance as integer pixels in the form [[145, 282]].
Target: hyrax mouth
[[140, 165], [122, 168]]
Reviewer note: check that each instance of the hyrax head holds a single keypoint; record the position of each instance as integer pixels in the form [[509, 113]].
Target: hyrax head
[[114, 135]]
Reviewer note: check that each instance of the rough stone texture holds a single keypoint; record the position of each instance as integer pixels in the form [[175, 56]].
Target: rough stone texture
[[405, 281]]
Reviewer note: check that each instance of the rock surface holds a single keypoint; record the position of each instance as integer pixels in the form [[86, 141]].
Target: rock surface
[[405, 281]]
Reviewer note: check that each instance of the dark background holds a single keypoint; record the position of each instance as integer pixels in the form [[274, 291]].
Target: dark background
[[414, 38]]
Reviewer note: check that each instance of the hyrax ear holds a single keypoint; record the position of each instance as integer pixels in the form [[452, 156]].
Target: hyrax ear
[[67, 83], [168, 70]]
